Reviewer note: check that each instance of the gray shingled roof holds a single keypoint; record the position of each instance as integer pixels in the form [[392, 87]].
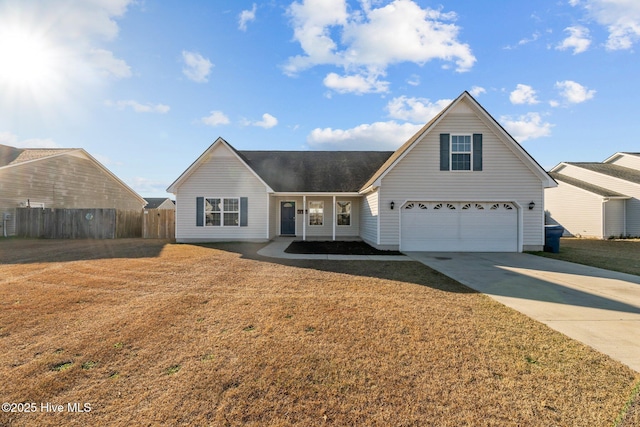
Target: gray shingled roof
[[600, 191], [315, 171], [615, 171], [154, 202], [12, 155]]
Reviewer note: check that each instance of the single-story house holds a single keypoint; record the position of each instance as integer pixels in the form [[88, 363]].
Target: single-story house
[[67, 178], [461, 183], [160, 203], [597, 199]]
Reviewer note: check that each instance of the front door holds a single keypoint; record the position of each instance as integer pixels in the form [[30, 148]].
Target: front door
[[288, 218]]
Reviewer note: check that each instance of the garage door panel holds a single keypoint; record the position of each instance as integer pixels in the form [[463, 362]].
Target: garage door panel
[[459, 226]]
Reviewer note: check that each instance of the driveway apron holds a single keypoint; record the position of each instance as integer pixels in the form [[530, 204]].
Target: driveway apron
[[597, 307]]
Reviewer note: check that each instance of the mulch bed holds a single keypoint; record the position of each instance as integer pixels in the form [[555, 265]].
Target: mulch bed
[[335, 248]]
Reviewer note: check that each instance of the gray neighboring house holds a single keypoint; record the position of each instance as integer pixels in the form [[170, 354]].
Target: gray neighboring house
[[58, 178], [597, 199], [461, 183], [160, 203]]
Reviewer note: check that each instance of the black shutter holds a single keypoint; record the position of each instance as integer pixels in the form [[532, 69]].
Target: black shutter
[[199, 211], [244, 210], [444, 151], [477, 151]]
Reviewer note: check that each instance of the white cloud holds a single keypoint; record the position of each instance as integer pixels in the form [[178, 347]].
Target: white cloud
[[357, 84], [414, 80], [376, 136], [620, 17], [574, 93], [415, 110], [523, 94], [268, 121], [138, 107], [578, 39], [365, 42], [247, 16], [149, 187], [528, 126], [215, 118], [75, 33], [476, 91], [11, 139], [197, 67]]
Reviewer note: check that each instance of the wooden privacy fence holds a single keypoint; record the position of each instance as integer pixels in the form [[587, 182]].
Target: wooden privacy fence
[[78, 223], [159, 224]]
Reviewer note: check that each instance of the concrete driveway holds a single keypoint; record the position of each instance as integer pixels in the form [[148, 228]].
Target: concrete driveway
[[597, 307]]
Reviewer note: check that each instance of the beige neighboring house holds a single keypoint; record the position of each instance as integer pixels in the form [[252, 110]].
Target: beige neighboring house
[[163, 203], [58, 178], [461, 183], [597, 199]]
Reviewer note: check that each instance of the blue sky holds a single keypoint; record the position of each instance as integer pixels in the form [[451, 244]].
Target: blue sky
[[145, 86]]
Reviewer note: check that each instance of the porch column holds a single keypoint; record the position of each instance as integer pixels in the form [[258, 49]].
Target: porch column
[[333, 209], [304, 217]]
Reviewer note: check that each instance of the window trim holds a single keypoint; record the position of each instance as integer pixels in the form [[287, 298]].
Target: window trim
[[321, 212], [452, 153], [221, 211], [339, 213]]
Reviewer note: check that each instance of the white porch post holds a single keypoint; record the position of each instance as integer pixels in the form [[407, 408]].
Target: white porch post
[[334, 216], [304, 217]]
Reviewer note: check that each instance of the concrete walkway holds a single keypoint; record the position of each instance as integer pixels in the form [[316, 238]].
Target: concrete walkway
[[276, 248], [597, 307]]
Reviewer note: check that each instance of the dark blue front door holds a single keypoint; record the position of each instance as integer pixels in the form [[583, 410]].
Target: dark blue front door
[[288, 218]]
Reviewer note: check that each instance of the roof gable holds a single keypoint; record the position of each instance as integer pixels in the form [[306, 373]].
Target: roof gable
[[11, 157], [473, 106]]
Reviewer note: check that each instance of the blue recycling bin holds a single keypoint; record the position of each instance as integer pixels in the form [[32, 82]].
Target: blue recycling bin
[[552, 234]]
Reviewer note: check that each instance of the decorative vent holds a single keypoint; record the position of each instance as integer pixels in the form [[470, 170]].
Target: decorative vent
[[450, 206], [467, 206], [409, 206], [508, 207], [494, 207], [438, 206], [422, 206], [479, 206]]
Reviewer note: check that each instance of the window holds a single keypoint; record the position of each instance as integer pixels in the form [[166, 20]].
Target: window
[[316, 213], [343, 213], [461, 152], [222, 212]]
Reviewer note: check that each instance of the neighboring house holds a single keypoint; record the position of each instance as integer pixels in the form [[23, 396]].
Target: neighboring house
[[599, 200], [160, 203], [58, 178], [462, 183]]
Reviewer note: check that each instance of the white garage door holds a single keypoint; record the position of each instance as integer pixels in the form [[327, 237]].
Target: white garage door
[[459, 227]]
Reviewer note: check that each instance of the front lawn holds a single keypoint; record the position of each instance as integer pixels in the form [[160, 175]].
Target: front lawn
[[152, 333], [618, 255]]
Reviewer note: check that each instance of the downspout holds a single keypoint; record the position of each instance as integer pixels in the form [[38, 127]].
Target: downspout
[[304, 217]]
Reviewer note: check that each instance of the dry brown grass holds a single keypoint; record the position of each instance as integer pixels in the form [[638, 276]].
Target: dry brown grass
[[165, 334], [618, 255]]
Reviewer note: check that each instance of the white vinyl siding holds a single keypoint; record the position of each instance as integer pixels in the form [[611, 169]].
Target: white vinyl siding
[[577, 210], [369, 218], [614, 218], [627, 160], [504, 177], [224, 176], [627, 188]]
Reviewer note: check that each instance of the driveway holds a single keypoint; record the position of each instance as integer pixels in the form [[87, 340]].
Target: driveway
[[597, 307]]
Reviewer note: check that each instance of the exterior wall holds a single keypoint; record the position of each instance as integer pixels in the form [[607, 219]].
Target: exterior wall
[[325, 230], [504, 177], [614, 218], [627, 160], [577, 210], [369, 218], [222, 175], [632, 211], [68, 181]]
